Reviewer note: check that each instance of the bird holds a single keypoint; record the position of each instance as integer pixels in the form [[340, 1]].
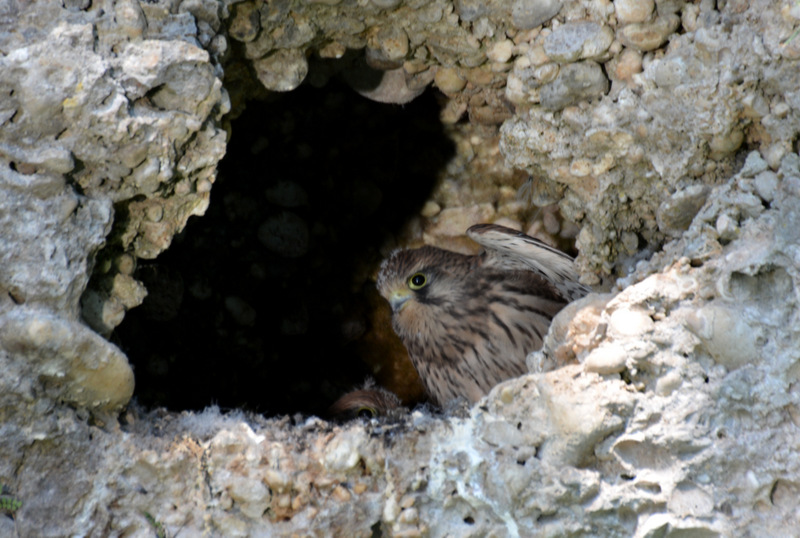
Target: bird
[[368, 401], [469, 321]]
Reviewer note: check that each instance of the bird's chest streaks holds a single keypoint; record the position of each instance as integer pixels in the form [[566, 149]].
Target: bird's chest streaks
[[465, 347], [468, 322]]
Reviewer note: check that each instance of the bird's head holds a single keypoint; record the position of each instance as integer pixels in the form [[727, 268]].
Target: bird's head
[[418, 282]]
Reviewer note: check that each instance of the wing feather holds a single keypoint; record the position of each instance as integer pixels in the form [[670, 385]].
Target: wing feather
[[509, 249]]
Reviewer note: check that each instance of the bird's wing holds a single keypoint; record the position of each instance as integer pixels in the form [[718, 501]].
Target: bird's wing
[[510, 249]]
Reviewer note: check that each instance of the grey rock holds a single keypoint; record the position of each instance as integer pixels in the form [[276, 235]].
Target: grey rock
[[282, 71], [578, 40], [575, 83], [382, 86], [471, 10], [753, 165], [646, 36], [527, 14], [766, 185], [246, 22], [676, 213]]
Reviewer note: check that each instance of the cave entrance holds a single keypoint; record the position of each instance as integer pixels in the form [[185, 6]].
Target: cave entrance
[[264, 303]]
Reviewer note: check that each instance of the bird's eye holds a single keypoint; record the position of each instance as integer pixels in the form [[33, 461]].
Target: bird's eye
[[366, 412], [417, 281]]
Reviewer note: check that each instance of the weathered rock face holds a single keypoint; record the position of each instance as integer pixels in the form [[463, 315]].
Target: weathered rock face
[[664, 129]]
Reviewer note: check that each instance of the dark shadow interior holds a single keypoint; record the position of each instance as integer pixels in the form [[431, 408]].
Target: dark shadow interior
[[261, 303]]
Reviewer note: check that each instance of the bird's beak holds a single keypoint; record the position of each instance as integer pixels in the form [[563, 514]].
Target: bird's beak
[[398, 299]]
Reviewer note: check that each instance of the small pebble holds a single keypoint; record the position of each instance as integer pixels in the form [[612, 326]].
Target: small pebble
[[501, 52], [448, 80], [633, 10]]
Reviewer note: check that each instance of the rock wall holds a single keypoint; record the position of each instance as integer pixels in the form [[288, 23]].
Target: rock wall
[[665, 130]]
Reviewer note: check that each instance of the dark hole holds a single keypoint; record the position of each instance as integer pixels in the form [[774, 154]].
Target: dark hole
[[260, 304], [625, 375], [469, 521]]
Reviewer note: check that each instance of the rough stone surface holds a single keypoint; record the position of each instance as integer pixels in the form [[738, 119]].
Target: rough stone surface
[[668, 407], [108, 116]]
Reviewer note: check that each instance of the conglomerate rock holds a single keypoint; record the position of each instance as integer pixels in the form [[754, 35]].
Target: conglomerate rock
[[664, 129]]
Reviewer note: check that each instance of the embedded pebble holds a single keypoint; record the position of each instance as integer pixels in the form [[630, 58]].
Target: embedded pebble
[[129, 291], [430, 209], [125, 264], [334, 50], [245, 23], [676, 213], [630, 241], [101, 313], [341, 454], [688, 500], [452, 221], [526, 14], [409, 516], [727, 227], [393, 42], [671, 71], [377, 59], [448, 80], [93, 372], [766, 184], [629, 63], [576, 82], [501, 52], [580, 168], [154, 213], [537, 55], [629, 322], [749, 204], [633, 10], [471, 10], [578, 41], [649, 35], [729, 339], [285, 234], [250, 494], [381, 86], [753, 165], [341, 494], [725, 143], [606, 359], [283, 70], [479, 77]]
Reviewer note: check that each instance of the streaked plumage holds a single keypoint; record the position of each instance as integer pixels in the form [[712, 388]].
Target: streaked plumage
[[368, 401], [468, 322]]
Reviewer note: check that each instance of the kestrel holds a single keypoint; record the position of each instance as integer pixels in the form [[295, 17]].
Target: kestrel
[[468, 322], [368, 401]]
